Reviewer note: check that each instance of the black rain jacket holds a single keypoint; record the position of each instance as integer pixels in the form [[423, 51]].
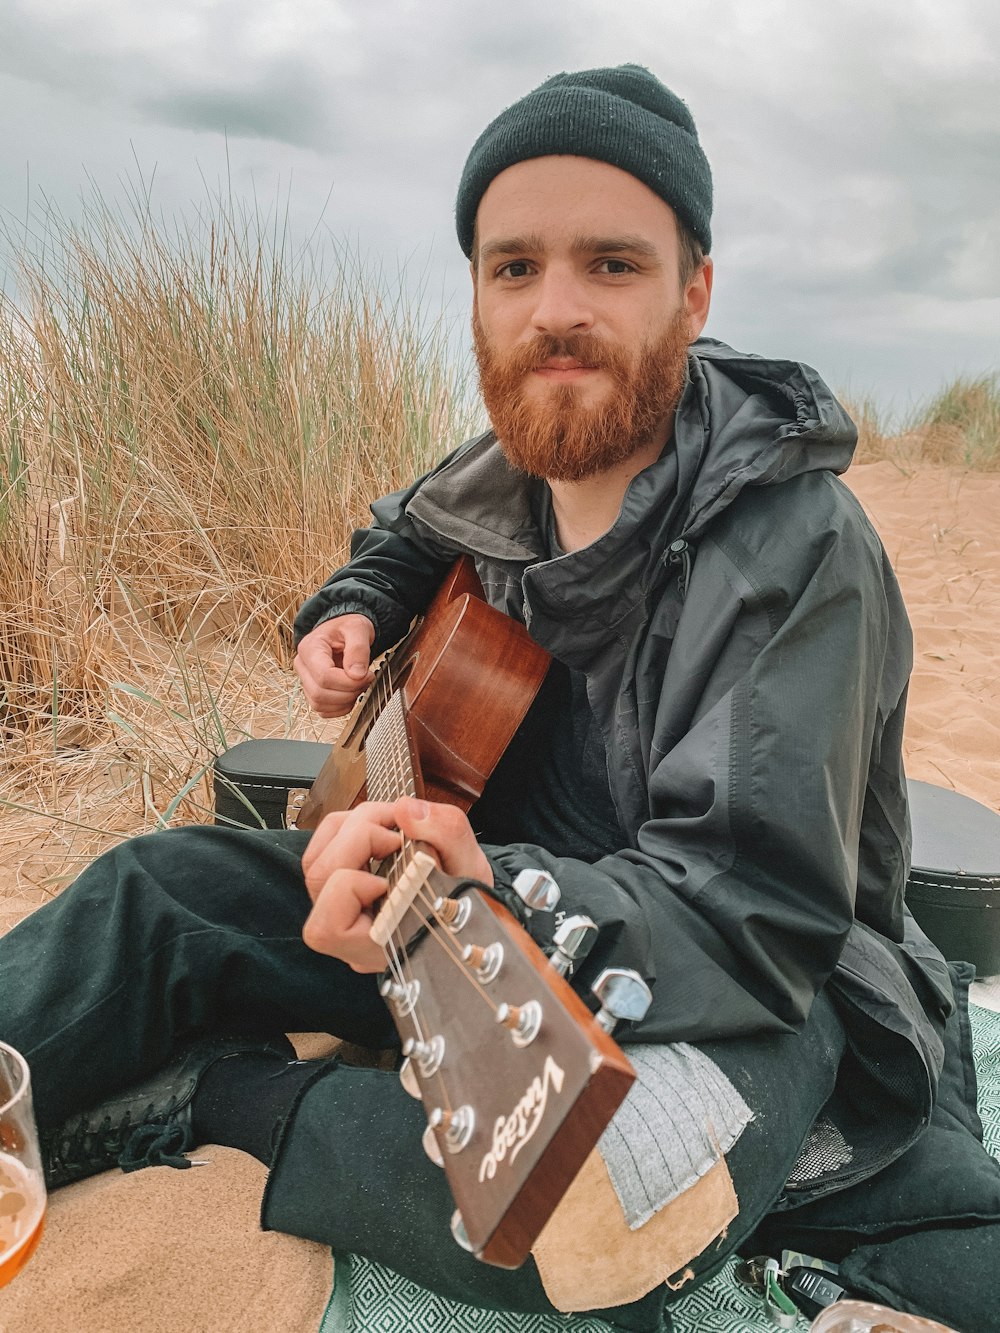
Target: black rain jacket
[[747, 653]]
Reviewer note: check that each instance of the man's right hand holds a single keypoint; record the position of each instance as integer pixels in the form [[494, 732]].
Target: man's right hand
[[333, 663]]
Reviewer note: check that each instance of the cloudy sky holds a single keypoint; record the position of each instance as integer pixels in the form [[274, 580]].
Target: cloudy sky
[[855, 143]]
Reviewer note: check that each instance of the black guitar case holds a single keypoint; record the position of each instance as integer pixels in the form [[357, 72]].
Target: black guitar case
[[954, 885]]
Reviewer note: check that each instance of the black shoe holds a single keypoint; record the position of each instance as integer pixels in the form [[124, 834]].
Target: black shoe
[[148, 1124]]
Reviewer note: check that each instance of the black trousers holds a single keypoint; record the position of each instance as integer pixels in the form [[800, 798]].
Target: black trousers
[[199, 929]]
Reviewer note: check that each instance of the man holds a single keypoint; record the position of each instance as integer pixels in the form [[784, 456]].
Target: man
[[712, 771]]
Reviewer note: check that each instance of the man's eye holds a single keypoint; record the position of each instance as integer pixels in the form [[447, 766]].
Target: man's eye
[[615, 266], [517, 268]]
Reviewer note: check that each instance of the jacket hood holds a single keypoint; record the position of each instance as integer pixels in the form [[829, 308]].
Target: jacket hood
[[742, 420], [753, 421]]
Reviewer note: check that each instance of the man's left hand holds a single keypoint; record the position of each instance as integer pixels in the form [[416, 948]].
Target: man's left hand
[[343, 889]]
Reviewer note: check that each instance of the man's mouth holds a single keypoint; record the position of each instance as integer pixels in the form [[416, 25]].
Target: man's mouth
[[564, 368]]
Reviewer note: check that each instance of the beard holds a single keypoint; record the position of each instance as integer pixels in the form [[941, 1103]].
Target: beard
[[559, 438]]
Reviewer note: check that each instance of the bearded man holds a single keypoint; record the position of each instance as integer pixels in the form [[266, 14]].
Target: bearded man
[[711, 772]]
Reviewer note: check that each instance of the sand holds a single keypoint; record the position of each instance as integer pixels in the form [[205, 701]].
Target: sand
[[941, 528]]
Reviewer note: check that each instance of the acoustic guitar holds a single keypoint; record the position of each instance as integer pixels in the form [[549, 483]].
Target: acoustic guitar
[[517, 1076]]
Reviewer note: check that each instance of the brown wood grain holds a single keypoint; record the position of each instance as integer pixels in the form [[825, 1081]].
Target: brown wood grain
[[469, 674]]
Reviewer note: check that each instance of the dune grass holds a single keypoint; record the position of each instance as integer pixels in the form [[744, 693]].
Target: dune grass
[[957, 427], [192, 424]]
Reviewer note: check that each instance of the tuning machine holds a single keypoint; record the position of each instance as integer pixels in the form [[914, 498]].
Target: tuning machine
[[456, 1126], [454, 912], [428, 1054], [523, 1021], [408, 1078], [485, 961], [459, 1232], [623, 996], [403, 995], [537, 890], [573, 939]]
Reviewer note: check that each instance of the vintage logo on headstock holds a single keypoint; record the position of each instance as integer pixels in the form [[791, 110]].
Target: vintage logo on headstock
[[512, 1132]]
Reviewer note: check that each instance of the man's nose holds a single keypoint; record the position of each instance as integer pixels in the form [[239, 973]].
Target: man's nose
[[562, 305]]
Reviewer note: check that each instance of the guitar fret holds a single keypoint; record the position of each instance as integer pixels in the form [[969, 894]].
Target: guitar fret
[[388, 768]]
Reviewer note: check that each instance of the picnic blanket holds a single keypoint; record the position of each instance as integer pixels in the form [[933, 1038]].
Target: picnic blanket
[[369, 1299]]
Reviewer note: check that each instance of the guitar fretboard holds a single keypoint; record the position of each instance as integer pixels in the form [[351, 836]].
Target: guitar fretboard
[[388, 767]]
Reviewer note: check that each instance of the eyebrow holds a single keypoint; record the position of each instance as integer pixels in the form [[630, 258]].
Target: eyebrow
[[585, 245]]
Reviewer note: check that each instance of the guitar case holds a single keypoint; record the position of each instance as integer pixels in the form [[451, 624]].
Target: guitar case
[[953, 889], [954, 885]]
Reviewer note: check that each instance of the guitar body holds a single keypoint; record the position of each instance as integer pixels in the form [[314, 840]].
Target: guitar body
[[468, 675]]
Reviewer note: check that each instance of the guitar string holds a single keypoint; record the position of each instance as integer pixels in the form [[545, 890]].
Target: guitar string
[[401, 760], [394, 750], [385, 752], [400, 957], [397, 966], [444, 937]]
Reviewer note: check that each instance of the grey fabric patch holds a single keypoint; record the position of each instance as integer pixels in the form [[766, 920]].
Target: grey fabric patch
[[680, 1116]]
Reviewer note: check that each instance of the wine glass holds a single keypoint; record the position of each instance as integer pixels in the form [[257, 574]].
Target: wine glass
[[22, 1184]]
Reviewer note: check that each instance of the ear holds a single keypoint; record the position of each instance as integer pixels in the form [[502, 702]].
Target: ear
[[698, 299]]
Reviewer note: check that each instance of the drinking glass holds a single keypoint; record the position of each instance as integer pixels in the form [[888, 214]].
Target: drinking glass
[[22, 1184], [862, 1317]]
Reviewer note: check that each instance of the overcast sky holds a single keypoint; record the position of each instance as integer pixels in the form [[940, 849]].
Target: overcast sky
[[855, 144]]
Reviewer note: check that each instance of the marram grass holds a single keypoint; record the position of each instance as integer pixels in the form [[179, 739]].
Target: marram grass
[[958, 427], [191, 426]]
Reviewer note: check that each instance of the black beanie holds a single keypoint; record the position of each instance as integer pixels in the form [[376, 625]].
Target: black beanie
[[624, 116]]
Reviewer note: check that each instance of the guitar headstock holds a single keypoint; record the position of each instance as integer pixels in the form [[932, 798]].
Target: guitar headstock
[[517, 1076]]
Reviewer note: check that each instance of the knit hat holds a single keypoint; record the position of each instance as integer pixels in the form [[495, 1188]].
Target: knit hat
[[623, 115]]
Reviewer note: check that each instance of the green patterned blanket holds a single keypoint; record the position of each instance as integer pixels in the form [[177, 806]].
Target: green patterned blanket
[[369, 1299]]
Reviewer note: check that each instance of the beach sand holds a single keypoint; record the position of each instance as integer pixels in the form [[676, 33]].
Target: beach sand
[[941, 528]]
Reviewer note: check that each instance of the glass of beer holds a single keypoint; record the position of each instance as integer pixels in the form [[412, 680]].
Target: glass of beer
[[22, 1184]]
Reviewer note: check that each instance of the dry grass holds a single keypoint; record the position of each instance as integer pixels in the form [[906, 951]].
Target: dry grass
[[958, 427], [192, 424]]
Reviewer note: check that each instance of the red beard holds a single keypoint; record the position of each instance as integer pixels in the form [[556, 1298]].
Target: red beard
[[561, 440]]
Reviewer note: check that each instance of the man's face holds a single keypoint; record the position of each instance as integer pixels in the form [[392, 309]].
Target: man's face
[[580, 320]]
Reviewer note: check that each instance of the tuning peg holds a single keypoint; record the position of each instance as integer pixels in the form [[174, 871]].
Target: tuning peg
[[623, 995], [408, 1078], [402, 994], [431, 1146], [485, 962], [523, 1021], [459, 1232], [537, 890], [573, 940], [428, 1054], [456, 1126], [454, 912]]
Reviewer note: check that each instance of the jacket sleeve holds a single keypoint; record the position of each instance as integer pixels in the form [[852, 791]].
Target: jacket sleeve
[[391, 577], [738, 896]]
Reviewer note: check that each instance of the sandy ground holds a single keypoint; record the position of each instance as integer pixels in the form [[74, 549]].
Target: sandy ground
[[940, 527]]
